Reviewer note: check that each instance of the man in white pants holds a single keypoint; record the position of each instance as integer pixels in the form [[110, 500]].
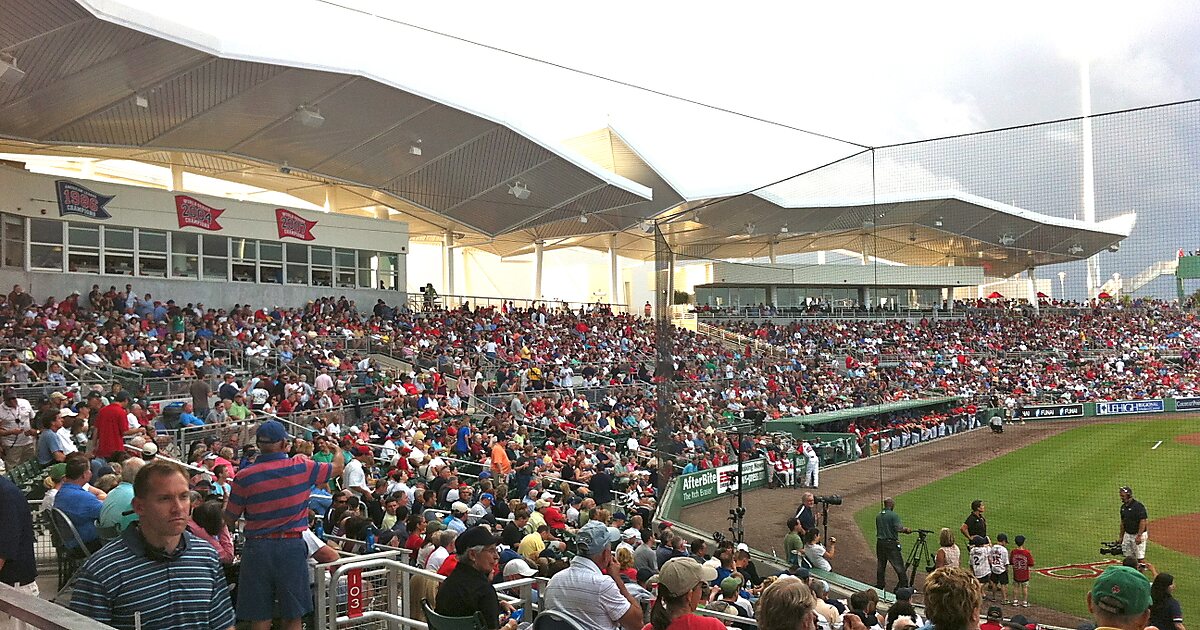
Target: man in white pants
[[812, 473], [1133, 525]]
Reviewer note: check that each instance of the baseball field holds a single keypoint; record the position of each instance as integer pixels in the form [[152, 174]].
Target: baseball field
[[1054, 482], [1061, 494]]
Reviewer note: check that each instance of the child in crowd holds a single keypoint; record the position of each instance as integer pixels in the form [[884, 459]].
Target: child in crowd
[[998, 559], [980, 564], [1022, 561]]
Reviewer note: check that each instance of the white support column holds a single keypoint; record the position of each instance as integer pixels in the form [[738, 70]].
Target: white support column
[[670, 281], [771, 251], [331, 198], [1031, 278], [176, 177], [539, 248], [866, 257], [821, 257], [381, 213], [448, 262], [1089, 172], [613, 269]]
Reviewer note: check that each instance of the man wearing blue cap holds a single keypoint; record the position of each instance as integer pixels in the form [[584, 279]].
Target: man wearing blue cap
[[591, 589], [481, 512], [272, 494]]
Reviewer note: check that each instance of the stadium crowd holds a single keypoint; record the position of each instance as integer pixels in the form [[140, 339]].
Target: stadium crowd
[[554, 473]]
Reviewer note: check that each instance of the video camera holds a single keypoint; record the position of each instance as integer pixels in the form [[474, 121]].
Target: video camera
[[1111, 548], [831, 499]]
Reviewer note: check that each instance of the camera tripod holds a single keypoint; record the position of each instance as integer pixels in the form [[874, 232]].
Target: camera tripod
[[919, 552]]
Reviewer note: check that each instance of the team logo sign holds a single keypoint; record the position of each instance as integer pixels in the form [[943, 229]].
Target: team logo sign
[[195, 213], [75, 199], [293, 225], [1083, 571]]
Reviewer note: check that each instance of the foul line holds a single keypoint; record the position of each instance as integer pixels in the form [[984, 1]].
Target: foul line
[[1156, 445]]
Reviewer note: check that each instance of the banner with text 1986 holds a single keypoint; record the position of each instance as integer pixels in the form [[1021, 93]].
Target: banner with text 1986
[[709, 484]]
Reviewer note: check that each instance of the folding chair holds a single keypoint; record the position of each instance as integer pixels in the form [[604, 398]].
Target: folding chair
[[70, 559]]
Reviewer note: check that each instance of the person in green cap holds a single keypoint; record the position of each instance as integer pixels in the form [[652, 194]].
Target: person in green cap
[[1120, 599]]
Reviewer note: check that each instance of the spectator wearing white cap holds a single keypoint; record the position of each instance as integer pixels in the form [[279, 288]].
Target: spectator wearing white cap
[[457, 519], [591, 589], [630, 539]]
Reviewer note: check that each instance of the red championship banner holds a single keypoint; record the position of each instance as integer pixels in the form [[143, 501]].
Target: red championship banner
[[195, 213], [354, 593], [294, 225]]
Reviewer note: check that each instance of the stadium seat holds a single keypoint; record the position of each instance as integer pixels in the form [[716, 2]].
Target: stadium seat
[[442, 622], [556, 620]]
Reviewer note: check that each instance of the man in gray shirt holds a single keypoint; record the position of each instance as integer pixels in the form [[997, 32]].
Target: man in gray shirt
[[644, 557]]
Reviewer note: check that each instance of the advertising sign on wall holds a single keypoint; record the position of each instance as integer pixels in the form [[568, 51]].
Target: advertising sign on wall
[[292, 225], [714, 482], [1050, 411], [1187, 404], [77, 200], [197, 214], [1122, 407]]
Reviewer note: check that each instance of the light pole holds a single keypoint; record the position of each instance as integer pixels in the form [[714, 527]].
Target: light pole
[[1062, 283]]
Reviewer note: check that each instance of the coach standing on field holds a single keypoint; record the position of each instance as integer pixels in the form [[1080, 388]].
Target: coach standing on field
[[272, 494], [887, 545], [1133, 525]]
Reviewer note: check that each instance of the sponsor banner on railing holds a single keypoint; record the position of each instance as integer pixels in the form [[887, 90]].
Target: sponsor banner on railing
[[1050, 411], [1122, 407], [712, 483], [1187, 404]]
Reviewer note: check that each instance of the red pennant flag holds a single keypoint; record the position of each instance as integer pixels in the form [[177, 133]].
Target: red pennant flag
[[294, 225], [195, 213]]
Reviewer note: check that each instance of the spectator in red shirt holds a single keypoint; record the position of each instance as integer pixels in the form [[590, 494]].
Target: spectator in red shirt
[[112, 425]]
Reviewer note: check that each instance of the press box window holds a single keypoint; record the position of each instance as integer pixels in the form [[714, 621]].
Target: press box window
[[118, 251], [46, 244]]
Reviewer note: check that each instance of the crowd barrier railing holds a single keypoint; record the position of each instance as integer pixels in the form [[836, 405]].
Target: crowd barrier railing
[[31, 611]]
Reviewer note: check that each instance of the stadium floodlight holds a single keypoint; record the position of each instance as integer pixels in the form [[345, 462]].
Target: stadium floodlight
[[583, 218], [519, 190], [646, 226], [1075, 250], [415, 149], [937, 222], [9, 72], [310, 118], [1115, 247], [1007, 240]]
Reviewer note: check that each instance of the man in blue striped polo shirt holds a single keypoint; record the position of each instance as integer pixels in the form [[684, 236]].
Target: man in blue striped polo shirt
[[156, 575], [272, 494]]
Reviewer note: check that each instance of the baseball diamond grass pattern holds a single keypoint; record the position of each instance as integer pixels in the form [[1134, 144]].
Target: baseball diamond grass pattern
[[1061, 494]]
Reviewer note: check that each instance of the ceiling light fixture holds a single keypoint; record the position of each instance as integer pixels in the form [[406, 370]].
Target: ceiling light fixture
[[646, 227], [519, 190], [1007, 240], [750, 228], [784, 229], [415, 149], [9, 72], [141, 101], [937, 222], [1075, 250], [310, 118], [583, 218]]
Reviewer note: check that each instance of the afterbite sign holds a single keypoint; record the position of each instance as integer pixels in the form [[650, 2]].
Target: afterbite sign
[[195, 213], [80, 201], [292, 225], [714, 482]]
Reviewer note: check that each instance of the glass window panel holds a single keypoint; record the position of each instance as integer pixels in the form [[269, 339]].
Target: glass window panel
[[297, 274], [185, 243], [46, 257], [216, 245], [117, 264], [152, 266], [14, 241], [185, 266], [243, 272], [270, 251], [345, 279], [152, 242], [216, 268], [322, 256], [118, 238], [297, 253], [83, 262], [345, 258], [244, 250], [366, 279], [270, 274], [83, 236], [46, 231], [322, 277]]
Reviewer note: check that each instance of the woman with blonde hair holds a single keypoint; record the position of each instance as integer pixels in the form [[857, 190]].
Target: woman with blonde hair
[[787, 604], [948, 554], [625, 561]]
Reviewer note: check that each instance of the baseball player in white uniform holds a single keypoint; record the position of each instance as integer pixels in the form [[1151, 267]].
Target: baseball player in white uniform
[[812, 472]]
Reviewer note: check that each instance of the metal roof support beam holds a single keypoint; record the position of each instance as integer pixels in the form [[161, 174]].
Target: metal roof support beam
[[539, 249], [613, 268], [448, 261]]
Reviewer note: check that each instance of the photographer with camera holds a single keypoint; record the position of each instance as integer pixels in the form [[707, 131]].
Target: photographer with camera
[[887, 545]]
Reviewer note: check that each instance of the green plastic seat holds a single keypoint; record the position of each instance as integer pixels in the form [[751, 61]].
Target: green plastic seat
[[442, 622]]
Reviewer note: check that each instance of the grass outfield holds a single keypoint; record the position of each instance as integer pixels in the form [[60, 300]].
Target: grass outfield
[[1061, 494]]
